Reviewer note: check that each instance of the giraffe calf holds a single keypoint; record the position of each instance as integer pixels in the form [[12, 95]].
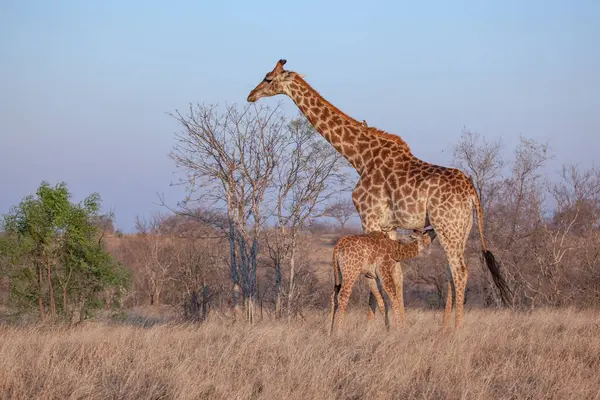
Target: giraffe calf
[[373, 255]]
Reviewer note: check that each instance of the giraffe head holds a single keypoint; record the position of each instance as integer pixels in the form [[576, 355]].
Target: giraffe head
[[275, 82], [424, 238]]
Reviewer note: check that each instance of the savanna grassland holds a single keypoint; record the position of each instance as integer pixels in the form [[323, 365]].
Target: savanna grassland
[[267, 248], [549, 354]]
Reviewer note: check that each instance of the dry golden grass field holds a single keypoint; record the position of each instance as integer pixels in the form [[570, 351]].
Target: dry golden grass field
[[499, 355]]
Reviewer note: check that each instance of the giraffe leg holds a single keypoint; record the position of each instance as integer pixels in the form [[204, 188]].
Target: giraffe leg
[[453, 233], [373, 302], [456, 286], [344, 297], [460, 279], [399, 285], [376, 293], [460, 284], [390, 287], [449, 298], [368, 225], [460, 274]]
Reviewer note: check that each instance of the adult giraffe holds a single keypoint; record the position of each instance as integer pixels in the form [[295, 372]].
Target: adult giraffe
[[395, 189]]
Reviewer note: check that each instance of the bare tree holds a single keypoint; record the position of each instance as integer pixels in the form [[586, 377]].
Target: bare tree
[[513, 204], [154, 257], [567, 234], [577, 196], [105, 222], [482, 160], [341, 211], [309, 174], [523, 191], [197, 275], [229, 159]]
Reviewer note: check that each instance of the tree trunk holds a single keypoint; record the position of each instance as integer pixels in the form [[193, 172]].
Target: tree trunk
[[279, 259], [516, 213], [253, 282], [250, 309], [40, 290], [51, 290], [292, 273], [205, 295], [108, 297], [235, 295], [278, 289], [65, 299], [79, 311], [245, 272], [192, 306], [236, 290]]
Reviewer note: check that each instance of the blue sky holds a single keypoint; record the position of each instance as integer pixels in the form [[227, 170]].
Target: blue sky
[[85, 86]]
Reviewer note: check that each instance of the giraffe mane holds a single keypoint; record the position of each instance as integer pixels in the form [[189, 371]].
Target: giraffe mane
[[390, 136], [378, 132], [337, 110]]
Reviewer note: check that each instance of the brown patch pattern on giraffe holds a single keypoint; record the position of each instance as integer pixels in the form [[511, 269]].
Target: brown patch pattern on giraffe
[[373, 255], [395, 188]]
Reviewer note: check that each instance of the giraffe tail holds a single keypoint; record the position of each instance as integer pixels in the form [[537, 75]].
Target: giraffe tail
[[336, 270], [336, 289], [488, 256]]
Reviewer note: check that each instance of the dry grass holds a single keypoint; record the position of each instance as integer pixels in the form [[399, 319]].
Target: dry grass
[[499, 355]]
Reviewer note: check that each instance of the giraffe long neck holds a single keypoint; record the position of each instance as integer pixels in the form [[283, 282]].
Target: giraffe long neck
[[348, 136], [405, 251]]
